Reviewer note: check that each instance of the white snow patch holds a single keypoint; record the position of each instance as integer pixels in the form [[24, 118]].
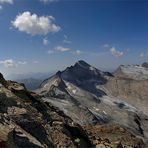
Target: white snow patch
[[91, 68], [74, 91], [104, 112], [96, 108], [111, 101]]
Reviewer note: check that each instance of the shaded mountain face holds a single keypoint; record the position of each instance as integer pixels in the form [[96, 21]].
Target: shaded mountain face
[[86, 94]]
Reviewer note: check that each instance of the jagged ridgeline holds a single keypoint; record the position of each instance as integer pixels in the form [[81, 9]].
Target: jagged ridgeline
[[73, 108]]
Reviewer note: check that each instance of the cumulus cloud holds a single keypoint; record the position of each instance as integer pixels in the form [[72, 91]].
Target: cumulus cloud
[[116, 52], [9, 63], [61, 49], [45, 41], [34, 24], [78, 52], [143, 54], [48, 1], [6, 1]]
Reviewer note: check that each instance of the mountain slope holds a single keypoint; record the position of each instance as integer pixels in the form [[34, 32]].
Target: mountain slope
[[131, 84], [83, 93], [27, 122]]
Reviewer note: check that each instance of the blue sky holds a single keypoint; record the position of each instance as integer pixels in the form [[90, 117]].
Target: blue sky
[[49, 35]]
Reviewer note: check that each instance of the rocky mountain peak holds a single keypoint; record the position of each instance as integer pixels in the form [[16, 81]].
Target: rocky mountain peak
[[82, 64], [91, 96]]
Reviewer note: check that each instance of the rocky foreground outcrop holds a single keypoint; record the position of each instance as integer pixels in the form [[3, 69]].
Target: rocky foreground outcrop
[[28, 122]]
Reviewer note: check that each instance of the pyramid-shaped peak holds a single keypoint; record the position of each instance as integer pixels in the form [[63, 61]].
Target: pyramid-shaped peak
[[82, 63]]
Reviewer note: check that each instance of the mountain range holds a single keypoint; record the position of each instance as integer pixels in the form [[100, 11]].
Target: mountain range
[[80, 106], [91, 96]]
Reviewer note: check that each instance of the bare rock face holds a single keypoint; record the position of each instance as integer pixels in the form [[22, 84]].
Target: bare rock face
[[112, 136], [131, 84], [145, 64], [27, 122]]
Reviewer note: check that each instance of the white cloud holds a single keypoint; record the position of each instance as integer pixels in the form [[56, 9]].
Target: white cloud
[[6, 1], [48, 1], [45, 41], [143, 54], [78, 52], [9, 63], [61, 49], [116, 52], [50, 51], [34, 24]]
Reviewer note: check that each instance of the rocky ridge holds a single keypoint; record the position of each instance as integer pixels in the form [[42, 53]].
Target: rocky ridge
[[26, 121], [69, 111], [85, 94]]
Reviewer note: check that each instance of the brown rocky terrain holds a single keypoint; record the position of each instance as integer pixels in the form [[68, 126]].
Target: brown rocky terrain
[[27, 122], [112, 135]]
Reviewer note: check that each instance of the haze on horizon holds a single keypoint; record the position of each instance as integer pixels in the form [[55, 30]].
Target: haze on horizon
[[49, 35]]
